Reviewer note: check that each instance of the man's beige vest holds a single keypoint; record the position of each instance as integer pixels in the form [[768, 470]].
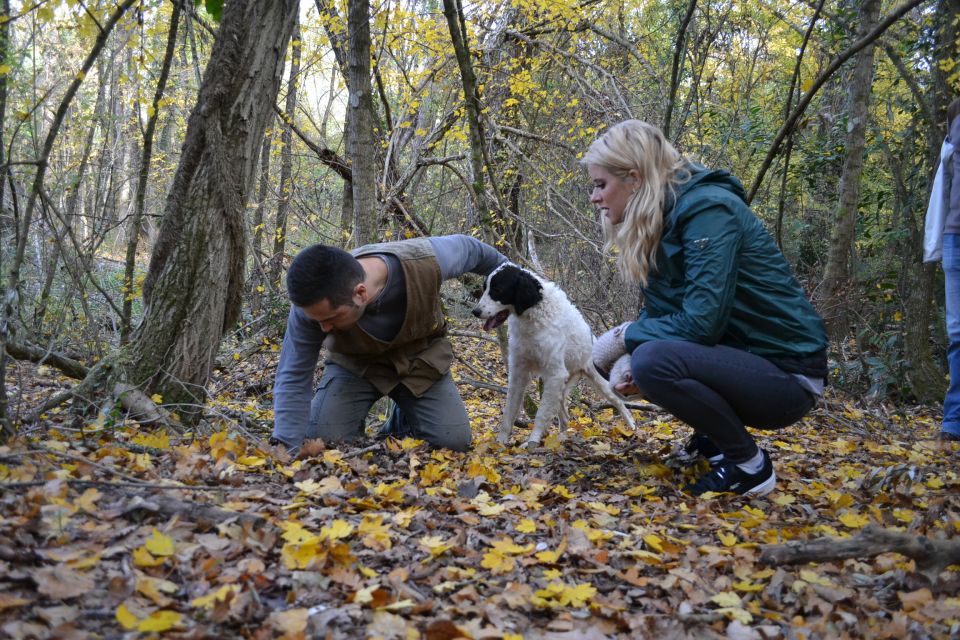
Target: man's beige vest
[[420, 354]]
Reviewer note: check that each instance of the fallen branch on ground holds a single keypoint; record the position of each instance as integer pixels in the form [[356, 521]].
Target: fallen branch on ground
[[931, 556]]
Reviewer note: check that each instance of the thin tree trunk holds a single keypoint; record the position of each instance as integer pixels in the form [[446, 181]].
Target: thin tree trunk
[[453, 11], [6, 428], [258, 279], [193, 289], [835, 290], [286, 164], [678, 48], [360, 137], [142, 176]]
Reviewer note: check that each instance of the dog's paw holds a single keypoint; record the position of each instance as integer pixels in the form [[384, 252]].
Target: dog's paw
[[504, 439]]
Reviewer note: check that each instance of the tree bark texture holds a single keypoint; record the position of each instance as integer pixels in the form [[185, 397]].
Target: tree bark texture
[[192, 292], [360, 139], [834, 291]]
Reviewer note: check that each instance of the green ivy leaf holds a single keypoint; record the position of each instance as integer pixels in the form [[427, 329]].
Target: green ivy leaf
[[213, 7]]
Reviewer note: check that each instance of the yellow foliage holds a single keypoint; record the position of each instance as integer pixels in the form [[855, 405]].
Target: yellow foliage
[[159, 544]]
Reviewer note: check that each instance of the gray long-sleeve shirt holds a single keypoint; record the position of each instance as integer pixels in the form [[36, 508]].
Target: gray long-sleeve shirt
[[292, 389], [951, 180]]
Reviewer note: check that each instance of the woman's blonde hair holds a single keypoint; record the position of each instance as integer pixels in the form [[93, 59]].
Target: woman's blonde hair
[[633, 145]]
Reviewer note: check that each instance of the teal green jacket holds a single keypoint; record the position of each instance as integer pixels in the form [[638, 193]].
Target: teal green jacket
[[720, 278]]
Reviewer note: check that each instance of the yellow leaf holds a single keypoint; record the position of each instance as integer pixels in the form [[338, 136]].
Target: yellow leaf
[[508, 546], [854, 520], [155, 440], [126, 619], [653, 542], [5, 69], [142, 558], [904, 515], [547, 557], [526, 526], [159, 621], [159, 544], [88, 500], [726, 599], [747, 586], [337, 529], [728, 539], [363, 596], [435, 545], [152, 588], [814, 578], [157, 398], [578, 595], [784, 499], [220, 595], [737, 613], [497, 563]]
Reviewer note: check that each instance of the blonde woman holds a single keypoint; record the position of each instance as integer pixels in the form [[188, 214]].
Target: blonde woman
[[726, 337]]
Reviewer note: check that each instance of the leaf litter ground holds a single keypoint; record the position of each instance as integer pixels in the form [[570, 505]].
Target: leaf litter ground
[[112, 530]]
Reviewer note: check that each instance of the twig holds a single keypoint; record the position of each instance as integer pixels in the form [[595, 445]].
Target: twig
[[360, 452], [38, 450]]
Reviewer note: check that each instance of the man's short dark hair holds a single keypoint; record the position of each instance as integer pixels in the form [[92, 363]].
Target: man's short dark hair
[[320, 272]]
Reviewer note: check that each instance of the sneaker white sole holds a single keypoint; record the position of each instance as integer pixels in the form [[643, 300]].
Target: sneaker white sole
[[764, 487]]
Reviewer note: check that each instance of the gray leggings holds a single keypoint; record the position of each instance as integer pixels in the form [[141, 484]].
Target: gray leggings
[[342, 402]]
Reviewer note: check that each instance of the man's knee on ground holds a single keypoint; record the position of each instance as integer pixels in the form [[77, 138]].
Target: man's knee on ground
[[455, 438]]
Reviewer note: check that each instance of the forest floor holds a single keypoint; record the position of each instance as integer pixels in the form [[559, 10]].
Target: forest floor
[[111, 530]]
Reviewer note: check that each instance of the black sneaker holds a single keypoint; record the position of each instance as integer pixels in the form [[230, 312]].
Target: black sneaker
[[726, 476], [699, 446]]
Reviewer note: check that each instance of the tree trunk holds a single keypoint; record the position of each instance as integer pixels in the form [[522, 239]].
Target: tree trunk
[[143, 174], [286, 165], [360, 138], [835, 291], [678, 49], [6, 429], [193, 289], [453, 11], [258, 277]]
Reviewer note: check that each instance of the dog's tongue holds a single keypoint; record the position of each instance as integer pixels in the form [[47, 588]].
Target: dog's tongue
[[495, 321]]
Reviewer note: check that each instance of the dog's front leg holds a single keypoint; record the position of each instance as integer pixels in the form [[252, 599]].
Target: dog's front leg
[[550, 403], [518, 380]]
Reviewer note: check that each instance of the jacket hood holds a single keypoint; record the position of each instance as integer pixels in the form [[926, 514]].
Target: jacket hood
[[701, 176]]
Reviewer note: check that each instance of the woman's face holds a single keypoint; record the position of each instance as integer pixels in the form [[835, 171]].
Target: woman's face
[[610, 193]]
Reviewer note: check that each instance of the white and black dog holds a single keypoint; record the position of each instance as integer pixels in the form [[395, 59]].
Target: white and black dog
[[548, 338]]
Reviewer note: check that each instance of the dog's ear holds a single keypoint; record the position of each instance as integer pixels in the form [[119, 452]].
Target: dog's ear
[[527, 292]]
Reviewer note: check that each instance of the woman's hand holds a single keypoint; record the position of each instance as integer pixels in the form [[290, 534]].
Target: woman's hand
[[627, 389], [609, 347]]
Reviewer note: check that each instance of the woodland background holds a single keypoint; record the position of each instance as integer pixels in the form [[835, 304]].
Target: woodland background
[[163, 160]]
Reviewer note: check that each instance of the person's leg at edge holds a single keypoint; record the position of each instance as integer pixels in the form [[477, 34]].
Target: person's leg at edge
[[951, 270], [340, 407], [438, 416]]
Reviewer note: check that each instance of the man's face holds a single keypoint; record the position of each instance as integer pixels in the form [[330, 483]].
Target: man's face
[[336, 318]]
